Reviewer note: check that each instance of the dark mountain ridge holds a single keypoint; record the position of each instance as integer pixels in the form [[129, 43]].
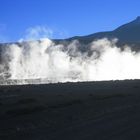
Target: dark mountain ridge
[[127, 34]]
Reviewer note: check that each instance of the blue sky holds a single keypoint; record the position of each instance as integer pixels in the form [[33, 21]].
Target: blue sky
[[63, 18]]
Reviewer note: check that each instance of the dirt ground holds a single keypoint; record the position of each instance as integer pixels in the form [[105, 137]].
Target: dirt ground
[[71, 111]]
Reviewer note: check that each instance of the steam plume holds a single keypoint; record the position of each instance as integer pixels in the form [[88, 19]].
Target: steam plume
[[53, 63]]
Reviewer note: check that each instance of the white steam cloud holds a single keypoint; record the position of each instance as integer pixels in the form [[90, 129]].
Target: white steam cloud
[[34, 33], [43, 31], [48, 62]]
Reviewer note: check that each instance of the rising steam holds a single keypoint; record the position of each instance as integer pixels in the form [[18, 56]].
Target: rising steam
[[48, 62]]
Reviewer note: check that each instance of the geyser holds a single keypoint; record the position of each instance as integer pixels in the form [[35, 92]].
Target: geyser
[[48, 62]]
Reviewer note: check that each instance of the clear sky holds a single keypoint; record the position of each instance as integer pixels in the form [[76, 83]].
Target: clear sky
[[63, 18]]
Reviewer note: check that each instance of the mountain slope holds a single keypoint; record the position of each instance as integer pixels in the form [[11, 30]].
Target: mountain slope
[[126, 34]]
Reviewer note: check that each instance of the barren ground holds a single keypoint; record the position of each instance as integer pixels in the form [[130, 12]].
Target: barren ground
[[71, 111]]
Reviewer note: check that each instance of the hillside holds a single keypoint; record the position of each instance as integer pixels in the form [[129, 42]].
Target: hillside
[[126, 34]]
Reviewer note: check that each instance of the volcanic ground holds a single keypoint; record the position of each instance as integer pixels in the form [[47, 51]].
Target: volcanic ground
[[71, 111]]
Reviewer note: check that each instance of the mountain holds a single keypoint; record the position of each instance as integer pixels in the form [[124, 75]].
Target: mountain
[[126, 34]]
